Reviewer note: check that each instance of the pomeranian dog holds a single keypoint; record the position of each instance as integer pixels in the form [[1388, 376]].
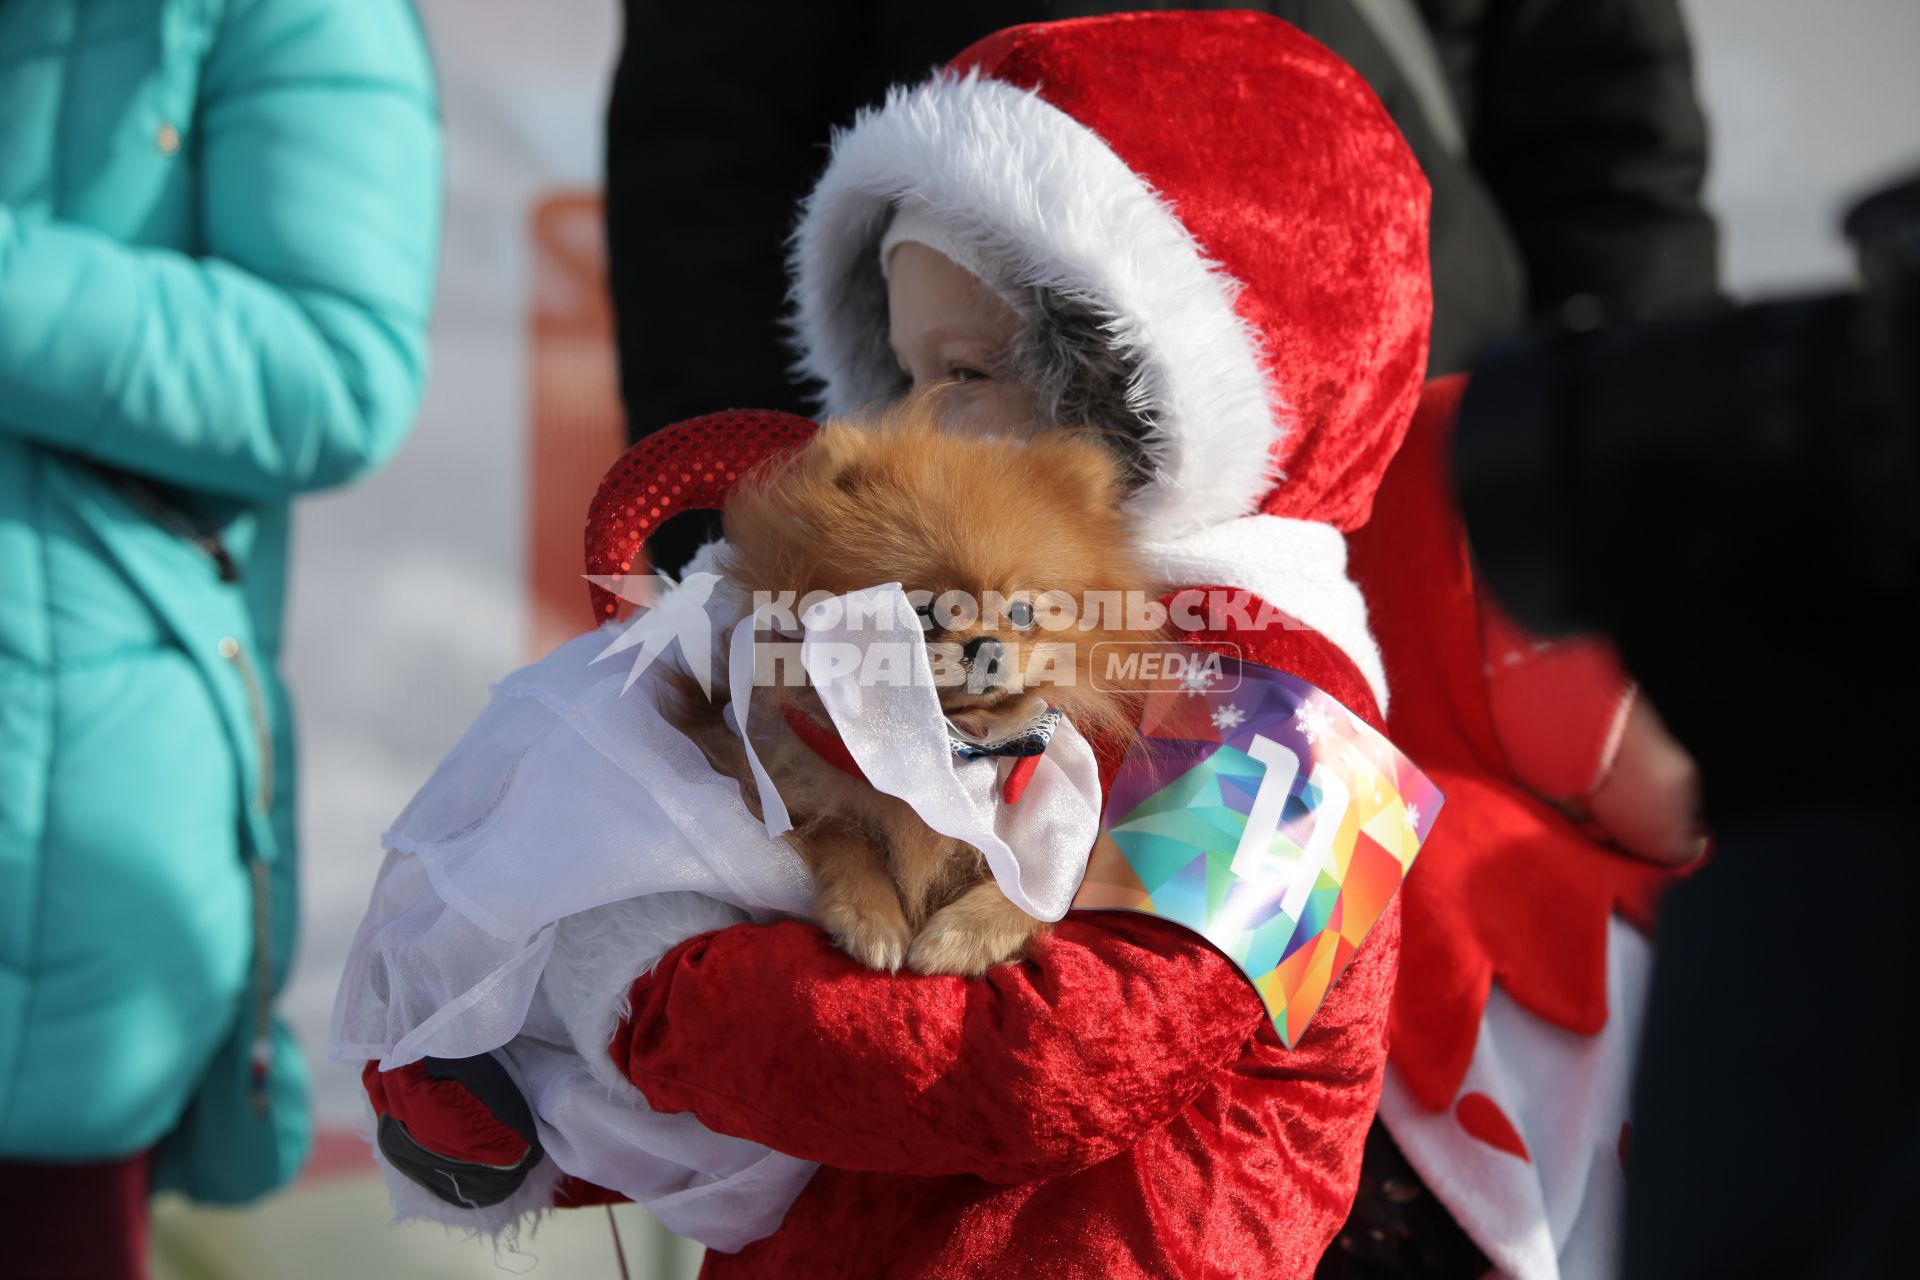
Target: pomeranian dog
[[1000, 521]]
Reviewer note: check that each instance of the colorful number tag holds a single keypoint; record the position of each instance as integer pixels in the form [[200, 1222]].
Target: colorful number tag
[[1260, 813]]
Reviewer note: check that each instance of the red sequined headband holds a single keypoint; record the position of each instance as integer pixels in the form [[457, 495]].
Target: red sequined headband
[[689, 466]]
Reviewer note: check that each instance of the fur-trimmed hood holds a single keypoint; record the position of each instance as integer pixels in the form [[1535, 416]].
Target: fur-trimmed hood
[[1230, 199]]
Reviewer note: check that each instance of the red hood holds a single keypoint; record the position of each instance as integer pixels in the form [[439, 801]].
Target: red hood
[[1227, 192]]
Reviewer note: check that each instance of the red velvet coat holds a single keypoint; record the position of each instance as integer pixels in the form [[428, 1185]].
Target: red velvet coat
[[1116, 1105]]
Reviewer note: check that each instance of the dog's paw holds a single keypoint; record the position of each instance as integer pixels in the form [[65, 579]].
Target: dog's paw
[[950, 951], [877, 937], [971, 936]]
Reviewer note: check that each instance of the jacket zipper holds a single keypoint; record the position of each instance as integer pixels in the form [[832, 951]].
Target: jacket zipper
[[260, 1058], [257, 709]]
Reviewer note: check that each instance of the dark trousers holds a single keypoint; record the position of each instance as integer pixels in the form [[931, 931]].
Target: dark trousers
[[1776, 1128]]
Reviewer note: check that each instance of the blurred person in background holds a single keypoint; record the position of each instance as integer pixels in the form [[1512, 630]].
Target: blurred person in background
[[218, 229], [1563, 140]]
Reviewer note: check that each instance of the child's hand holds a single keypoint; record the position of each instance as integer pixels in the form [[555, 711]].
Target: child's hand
[[1648, 802], [1578, 733]]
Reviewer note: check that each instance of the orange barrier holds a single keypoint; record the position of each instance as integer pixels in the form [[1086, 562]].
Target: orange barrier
[[575, 425]]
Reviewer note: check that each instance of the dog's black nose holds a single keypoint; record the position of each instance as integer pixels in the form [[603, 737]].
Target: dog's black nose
[[988, 664], [982, 651]]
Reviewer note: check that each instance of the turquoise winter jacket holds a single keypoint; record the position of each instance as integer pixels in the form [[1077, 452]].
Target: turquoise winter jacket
[[218, 226]]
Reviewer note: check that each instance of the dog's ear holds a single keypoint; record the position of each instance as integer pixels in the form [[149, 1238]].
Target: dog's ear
[[838, 458], [1078, 464], [854, 478]]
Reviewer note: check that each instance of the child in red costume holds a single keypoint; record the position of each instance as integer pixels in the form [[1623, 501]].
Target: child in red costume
[[1201, 231]]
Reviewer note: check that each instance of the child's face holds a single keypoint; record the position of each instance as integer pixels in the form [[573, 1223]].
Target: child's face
[[946, 326]]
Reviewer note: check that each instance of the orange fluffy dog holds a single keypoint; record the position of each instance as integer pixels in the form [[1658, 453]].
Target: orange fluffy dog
[[999, 523]]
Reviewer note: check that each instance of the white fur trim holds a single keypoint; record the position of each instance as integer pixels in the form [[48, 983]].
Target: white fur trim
[[1030, 186], [599, 954], [1556, 1215], [1297, 566]]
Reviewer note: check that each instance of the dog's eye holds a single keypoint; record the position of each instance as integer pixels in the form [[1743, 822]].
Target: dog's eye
[[925, 613], [1020, 614]]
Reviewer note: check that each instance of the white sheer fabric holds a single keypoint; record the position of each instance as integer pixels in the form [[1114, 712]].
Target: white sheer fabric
[[573, 835]]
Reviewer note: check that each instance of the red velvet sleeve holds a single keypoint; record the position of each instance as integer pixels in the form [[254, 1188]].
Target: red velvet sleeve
[[1111, 1025]]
